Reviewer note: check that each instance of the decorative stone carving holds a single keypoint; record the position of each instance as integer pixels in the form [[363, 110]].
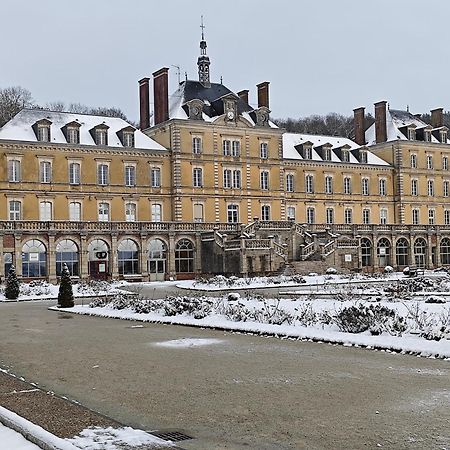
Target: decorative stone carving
[[195, 109], [262, 116]]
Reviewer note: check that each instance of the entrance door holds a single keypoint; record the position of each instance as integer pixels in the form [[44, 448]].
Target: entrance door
[[98, 270], [157, 269]]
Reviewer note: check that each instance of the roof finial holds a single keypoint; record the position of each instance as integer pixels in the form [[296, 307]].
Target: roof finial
[[407, 108], [203, 28], [203, 60]]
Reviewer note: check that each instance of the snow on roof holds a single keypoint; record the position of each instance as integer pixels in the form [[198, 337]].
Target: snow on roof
[[19, 128], [290, 140], [396, 120]]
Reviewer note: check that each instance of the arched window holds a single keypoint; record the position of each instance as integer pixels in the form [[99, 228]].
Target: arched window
[[34, 259], [420, 252], [67, 252], [366, 252], [383, 252], [445, 251], [402, 251], [184, 256], [128, 257], [157, 251]]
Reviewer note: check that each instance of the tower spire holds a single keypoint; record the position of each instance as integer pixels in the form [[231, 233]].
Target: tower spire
[[203, 60]]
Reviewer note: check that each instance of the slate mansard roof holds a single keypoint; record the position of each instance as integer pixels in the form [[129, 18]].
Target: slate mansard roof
[[20, 128], [212, 101]]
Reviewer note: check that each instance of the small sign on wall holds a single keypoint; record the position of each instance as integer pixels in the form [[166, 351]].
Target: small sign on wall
[[102, 268], [348, 258]]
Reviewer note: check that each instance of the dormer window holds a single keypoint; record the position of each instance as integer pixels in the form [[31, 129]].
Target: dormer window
[[363, 156], [42, 130], [128, 139], [427, 135], [411, 134], [307, 152], [443, 136], [327, 154], [100, 134], [345, 156], [73, 135]]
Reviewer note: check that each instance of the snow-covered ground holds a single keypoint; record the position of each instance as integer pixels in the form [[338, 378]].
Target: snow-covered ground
[[12, 440]]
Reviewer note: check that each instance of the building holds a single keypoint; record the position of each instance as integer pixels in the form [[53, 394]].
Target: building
[[209, 184]]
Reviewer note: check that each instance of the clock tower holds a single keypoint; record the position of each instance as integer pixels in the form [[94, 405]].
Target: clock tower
[[203, 61]]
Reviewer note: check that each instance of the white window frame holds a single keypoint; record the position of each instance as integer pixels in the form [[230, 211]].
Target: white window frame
[[329, 216], [233, 213], [309, 183], [430, 188], [446, 188], [104, 214], [414, 187], [413, 161], [328, 184], [45, 170], [347, 185], [45, 210], [289, 182], [265, 212], [382, 186], [237, 179], [196, 207], [446, 216], [415, 216], [14, 169], [348, 216], [197, 145], [430, 161], [263, 150], [235, 148], [103, 173], [431, 216], [75, 212], [130, 174], [155, 177], [74, 172], [14, 213], [310, 215], [383, 216], [366, 216], [130, 213], [264, 180], [156, 210], [445, 163], [197, 177], [290, 212], [365, 186]]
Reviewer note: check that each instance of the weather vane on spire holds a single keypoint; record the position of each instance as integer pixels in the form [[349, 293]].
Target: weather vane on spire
[[203, 29]]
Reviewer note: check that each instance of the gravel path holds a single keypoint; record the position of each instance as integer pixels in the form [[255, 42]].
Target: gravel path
[[236, 391]]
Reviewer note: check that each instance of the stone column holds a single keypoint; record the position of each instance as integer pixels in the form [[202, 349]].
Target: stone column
[[51, 259], [2, 263], [113, 257], [18, 254], [429, 256], [412, 259], [84, 258], [198, 253], [171, 257], [144, 257], [438, 251]]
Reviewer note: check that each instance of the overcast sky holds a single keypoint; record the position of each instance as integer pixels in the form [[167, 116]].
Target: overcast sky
[[319, 55]]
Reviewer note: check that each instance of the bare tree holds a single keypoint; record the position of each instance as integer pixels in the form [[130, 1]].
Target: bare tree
[[12, 100]]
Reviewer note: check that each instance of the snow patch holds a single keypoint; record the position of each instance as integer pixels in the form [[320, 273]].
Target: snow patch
[[188, 342]]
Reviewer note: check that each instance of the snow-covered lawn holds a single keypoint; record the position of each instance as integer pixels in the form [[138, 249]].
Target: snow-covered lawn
[[12, 440], [37, 290], [401, 325]]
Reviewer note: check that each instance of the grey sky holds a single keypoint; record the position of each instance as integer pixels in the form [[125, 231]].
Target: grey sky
[[319, 55]]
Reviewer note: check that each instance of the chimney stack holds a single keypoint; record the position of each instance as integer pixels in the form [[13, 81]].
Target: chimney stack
[[243, 95], [437, 117], [263, 94], [380, 122], [144, 103], [358, 120], [161, 95]]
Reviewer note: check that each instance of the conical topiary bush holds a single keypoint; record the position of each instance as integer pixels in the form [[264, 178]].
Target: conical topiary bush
[[12, 288], [65, 295]]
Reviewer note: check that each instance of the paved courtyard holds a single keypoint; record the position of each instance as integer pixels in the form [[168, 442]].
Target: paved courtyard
[[235, 391]]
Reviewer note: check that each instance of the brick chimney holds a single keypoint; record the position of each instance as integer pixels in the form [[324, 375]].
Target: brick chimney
[[380, 122], [243, 95], [263, 94], [358, 121], [437, 117], [161, 95], [144, 103]]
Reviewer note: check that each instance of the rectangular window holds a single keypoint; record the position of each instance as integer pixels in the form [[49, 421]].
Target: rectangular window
[[328, 154], [430, 188], [15, 210], [414, 187], [328, 185], [330, 216], [236, 148], [102, 174], [45, 172], [443, 136], [429, 161], [446, 187], [198, 212], [45, 211], [307, 153], [382, 186], [101, 137], [290, 182], [447, 217], [347, 185], [290, 212], [348, 216], [226, 147], [44, 134], [198, 177], [156, 212], [264, 180], [366, 216], [445, 163], [130, 212], [363, 156], [227, 178], [73, 136], [427, 136], [232, 213], [237, 179], [415, 216], [383, 216], [345, 156], [74, 211], [265, 212], [128, 139], [309, 184], [263, 150], [310, 215], [196, 145], [413, 161], [74, 173], [155, 177], [14, 174], [411, 134], [103, 212], [431, 217], [130, 176], [365, 186]]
